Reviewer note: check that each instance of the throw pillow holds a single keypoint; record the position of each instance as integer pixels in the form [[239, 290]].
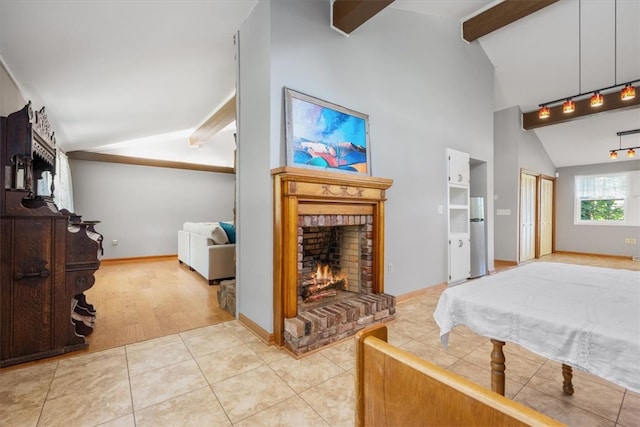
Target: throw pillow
[[218, 236], [230, 229], [213, 231]]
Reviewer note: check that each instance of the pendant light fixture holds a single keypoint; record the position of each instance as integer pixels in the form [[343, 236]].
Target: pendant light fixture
[[569, 106], [631, 151], [628, 92], [597, 98], [544, 112]]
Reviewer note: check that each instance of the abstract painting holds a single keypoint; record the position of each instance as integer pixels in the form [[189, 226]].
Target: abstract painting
[[323, 135]]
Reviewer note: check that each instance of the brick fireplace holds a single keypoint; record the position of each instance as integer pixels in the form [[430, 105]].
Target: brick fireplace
[[328, 256]]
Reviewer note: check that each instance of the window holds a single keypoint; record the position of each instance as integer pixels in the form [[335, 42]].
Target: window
[[606, 199]]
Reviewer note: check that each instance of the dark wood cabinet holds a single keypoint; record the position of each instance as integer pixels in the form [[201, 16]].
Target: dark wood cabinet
[[47, 256]]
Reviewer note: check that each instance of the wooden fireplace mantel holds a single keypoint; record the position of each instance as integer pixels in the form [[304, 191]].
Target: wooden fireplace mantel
[[299, 191]]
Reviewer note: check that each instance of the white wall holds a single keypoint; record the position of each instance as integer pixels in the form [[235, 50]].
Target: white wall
[[515, 149], [424, 90], [254, 264], [595, 239], [11, 100], [143, 207]]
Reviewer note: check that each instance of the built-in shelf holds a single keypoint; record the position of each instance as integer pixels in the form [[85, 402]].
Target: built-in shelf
[[458, 215]]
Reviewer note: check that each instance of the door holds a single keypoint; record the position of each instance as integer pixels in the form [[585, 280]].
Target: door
[[459, 258], [458, 169], [546, 216], [527, 217]]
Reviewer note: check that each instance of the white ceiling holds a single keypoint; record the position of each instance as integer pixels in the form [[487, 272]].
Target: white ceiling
[[111, 72]]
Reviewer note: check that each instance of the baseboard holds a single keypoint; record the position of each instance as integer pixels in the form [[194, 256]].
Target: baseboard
[[505, 262], [625, 257], [138, 259], [256, 329]]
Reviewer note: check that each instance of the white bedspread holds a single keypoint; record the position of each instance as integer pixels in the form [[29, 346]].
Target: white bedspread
[[586, 317]]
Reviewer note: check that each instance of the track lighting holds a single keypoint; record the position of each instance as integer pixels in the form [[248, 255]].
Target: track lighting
[[597, 99], [614, 97], [628, 92], [631, 151]]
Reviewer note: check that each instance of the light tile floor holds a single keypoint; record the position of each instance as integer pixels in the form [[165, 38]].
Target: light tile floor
[[222, 375]]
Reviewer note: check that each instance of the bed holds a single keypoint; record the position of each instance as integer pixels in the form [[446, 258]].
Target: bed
[[581, 316], [397, 388]]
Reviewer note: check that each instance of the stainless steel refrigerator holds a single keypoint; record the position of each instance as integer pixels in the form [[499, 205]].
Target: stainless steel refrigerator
[[477, 231]]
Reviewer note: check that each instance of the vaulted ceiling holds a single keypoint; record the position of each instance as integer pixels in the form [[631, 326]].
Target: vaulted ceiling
[[139, 77]]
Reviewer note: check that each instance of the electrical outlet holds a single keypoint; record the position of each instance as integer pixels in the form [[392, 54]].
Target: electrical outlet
[[630, 241], [114, 243], [390, 268]]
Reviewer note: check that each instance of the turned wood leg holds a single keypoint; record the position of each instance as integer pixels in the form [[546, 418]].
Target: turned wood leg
[[497, 367], [567, 374]]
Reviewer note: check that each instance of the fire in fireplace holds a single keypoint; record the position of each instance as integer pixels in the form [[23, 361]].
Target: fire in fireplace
[[335, 257], [322, 284]]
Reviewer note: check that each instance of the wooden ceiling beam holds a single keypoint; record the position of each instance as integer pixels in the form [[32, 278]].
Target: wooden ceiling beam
[[347, 15], [128, 160], [500, 16], [612, 102], [214, 124]]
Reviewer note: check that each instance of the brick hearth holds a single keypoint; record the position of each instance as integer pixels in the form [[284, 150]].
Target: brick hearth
[[323, 325]]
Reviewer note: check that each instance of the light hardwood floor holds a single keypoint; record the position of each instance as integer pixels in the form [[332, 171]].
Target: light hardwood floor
[[140, 300], [594, 260], [145, 299]]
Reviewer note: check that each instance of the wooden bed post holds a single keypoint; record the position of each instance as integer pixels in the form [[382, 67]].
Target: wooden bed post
[[567, 375], [497, 367]]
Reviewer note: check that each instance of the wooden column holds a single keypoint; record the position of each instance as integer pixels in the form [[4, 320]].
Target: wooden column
[[378, 249]]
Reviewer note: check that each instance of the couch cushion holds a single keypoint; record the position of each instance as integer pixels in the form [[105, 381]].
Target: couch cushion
[[215, 233], [210, 230], [230, 229]]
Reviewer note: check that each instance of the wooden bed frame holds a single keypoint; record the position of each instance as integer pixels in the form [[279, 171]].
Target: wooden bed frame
[[498, 368], [397, 388]]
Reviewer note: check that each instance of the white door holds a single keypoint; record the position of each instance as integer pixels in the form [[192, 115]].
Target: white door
[[527, 217], [546, 216], [459, 258], [458, 167]]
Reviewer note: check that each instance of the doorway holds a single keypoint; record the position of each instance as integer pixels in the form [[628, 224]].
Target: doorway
[[536, 225], [547, 187]]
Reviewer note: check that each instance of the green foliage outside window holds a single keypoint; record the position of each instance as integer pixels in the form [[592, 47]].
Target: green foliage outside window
[[602, 210]]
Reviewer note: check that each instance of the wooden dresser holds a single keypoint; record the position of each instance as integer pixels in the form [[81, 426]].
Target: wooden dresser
[[47, 256]]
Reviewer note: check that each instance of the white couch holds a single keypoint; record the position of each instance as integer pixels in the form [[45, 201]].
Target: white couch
[[205, 248]]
